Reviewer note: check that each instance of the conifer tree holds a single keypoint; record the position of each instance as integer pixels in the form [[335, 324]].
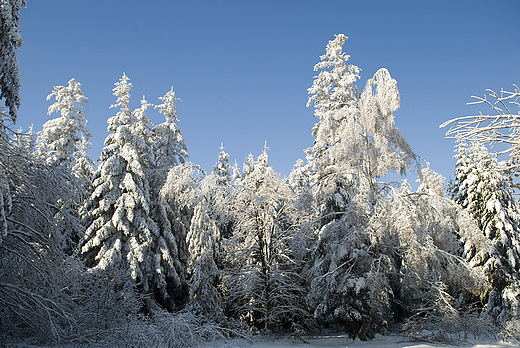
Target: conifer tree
[[10, 41], [261, 281], [64, 140], [169, 177], [169, 146], [174, 213], [210, 223], [120, 231], [484, 188], [204, 247], [63, 144]]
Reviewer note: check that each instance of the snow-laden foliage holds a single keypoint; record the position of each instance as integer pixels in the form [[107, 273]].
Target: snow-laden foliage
[[484, 188], [499, 132], [10, 41], [346, 274], [355, 134], [356, 142], [25, 141], [120, 228], [169, 146], [33, 269], [329, 246], [261, 283], [421, 233], [204, 246], [64, 140], [173, 213], [212, 221]]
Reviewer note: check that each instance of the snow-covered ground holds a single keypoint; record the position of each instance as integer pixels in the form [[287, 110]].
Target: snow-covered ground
[[340, 341]]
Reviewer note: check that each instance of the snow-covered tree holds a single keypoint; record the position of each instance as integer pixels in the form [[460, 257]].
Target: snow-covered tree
[[356, 142], [64, 140], [499, 132], [204, 246], [10, 41], [484, 188], [420, 236], [26, 141], [173, 213], [261, 281], [212, 221], [356, 134], [120, 229], [169, 146], [32, 261], [83, 166], [222, 169]]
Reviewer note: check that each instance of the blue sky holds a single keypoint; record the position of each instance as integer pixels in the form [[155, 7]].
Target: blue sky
[[242, 68]]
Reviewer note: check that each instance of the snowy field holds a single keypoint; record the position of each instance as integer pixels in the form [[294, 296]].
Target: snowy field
[[340, 341], [333, 341]]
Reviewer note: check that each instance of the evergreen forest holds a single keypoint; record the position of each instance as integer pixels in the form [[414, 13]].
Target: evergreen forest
[[143, 248]]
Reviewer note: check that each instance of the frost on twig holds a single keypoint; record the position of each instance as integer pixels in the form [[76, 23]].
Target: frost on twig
[[499, 131]]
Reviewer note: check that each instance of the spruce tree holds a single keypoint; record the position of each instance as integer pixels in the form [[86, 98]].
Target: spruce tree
[[484, 188], [10, 41], [60, 140], [169, 146], [262, 284], [210, 223], [169, 161], [121, 232]]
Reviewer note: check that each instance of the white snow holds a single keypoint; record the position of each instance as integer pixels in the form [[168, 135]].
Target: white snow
[[342, 341]]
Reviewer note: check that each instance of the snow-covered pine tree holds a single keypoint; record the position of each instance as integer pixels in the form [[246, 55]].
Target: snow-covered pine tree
[[484, 188], [222, 169], [83, 166], [261, 282], [174, 213], [300, 182], [211, 222], [63, 144], [204, 247], [169, 176], [356, 142], [248, 166], [26, 141], [169, 146], [10, 41], [64, 140], [121, 231]]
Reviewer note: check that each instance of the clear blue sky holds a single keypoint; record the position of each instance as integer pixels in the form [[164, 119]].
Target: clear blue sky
[[242, 68]]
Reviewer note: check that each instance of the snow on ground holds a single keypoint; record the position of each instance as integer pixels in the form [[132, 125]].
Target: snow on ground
[[340, 341], [331, 341]]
